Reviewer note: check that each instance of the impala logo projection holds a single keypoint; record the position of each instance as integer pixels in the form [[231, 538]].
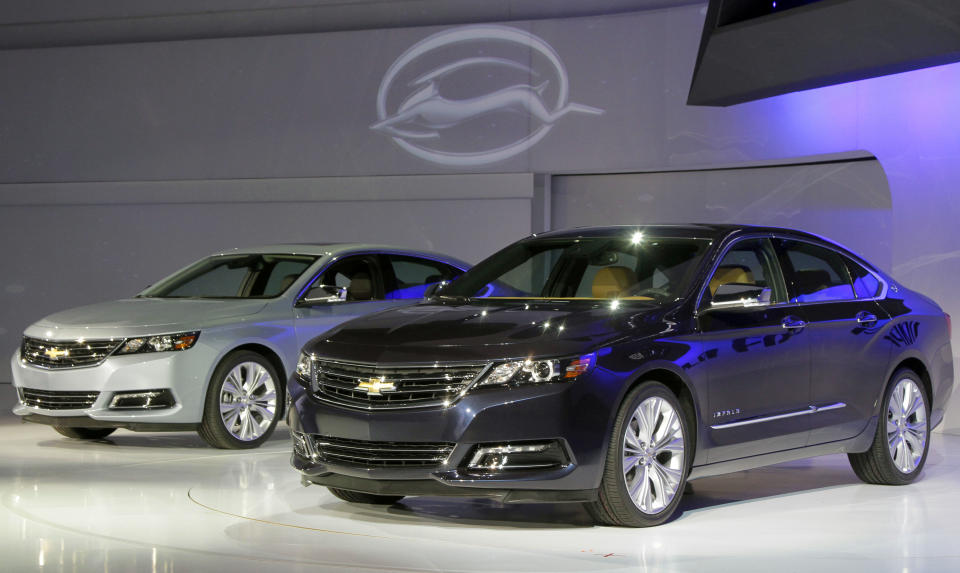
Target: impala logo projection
[[474, 95]]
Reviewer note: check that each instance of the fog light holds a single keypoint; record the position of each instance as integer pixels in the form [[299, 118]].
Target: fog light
[[143, 400], [491, 458], [304, 447]]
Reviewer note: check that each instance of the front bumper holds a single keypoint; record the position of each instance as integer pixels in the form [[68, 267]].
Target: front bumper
[[181, 373], [571, 415]]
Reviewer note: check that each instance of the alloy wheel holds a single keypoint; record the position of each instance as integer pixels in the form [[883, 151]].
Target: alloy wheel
[[248, 401], [906, 425], [653, 455]]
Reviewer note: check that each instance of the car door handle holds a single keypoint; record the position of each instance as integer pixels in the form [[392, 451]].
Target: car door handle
[[793, 323], [866, 318]]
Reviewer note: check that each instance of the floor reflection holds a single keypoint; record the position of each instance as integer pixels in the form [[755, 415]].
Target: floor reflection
[[166, 502]]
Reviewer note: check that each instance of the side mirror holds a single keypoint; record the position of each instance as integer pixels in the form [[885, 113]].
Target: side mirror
[[731, 295], [321, 294], [434, 289]]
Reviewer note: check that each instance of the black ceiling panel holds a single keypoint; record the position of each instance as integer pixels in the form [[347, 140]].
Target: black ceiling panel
[[750, 50]]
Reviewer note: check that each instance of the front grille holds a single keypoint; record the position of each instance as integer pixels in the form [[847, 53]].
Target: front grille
[[66, 353], [51, 400], [381, 454], [412, 386]]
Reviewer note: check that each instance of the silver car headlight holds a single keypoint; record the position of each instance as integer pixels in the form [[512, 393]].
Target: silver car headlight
[[159, 343], [530, 371]]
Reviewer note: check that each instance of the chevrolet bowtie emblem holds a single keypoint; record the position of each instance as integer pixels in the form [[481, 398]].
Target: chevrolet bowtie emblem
[[55, 353], [376, 386]]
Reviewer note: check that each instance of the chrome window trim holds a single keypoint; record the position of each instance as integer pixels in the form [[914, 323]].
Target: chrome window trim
[[823, 244], [819, 243], [713, 269]]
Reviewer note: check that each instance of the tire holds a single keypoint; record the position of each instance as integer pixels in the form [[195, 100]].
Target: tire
[[900, 446], [658, 473], [243, 402], [85, 433], [369, 498]]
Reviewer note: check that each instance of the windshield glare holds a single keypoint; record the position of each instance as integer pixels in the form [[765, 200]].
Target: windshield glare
[[233, 276], [586, 268]]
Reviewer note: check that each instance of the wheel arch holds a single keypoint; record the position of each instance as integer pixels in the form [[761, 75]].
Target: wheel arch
[[271, 355], [916, 364], [668, 375]]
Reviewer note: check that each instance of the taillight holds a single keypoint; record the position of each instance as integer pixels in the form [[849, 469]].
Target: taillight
[[949, 325]]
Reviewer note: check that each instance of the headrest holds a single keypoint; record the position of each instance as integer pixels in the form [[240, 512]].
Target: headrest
[[361, 287], [287, 281], [610, 282], [730, 274]]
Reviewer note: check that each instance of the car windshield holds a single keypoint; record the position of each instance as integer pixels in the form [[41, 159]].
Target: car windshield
[[233, 276], [630, 267]]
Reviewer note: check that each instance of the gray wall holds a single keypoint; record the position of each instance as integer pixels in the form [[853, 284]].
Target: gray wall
[[845, 200], [73, 244], [302, 106]]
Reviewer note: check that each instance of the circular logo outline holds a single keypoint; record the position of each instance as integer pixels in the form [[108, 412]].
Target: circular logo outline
[[466, 34]]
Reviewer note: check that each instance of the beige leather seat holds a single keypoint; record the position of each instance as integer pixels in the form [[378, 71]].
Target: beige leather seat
[[730, 274], [610, 282]]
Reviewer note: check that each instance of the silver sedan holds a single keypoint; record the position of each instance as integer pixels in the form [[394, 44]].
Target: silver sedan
[[210, 347]]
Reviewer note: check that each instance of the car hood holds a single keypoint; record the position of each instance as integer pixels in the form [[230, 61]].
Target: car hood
[[140, 316], [487, 331]]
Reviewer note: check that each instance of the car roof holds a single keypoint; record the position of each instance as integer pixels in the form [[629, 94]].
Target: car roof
[[691, 230], [339, 250], [712, 232]]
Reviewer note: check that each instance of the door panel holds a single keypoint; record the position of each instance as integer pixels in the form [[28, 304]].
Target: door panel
[[760, 370], [849, 363], [849, 355]]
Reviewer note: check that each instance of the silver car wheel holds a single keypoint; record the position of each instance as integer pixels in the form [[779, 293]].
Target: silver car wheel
[[248, 401], [653, 450], [906, 425]]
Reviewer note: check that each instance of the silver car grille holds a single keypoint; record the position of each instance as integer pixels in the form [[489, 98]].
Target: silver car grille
[[380, 454], [51, 400], [386, 387], [66, 353]]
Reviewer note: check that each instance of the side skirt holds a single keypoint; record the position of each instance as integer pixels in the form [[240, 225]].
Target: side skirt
[[856, 444]]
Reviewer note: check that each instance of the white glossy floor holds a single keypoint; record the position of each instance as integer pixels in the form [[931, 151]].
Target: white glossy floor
[[165, 502]]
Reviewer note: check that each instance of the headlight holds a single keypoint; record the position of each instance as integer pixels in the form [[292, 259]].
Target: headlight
[[519, 372], [159, 343], [304, 366]]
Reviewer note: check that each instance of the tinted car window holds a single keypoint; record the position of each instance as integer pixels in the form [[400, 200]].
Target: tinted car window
[[233, 276], [284, 273], [748, 262], [586, 268], [818, 274], [355, 274], [412, 276], [865, 284]]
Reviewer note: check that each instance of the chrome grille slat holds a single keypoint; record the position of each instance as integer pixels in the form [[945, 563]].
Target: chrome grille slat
[[373, 454], [415, 386], [66, 353], [51, 400]]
